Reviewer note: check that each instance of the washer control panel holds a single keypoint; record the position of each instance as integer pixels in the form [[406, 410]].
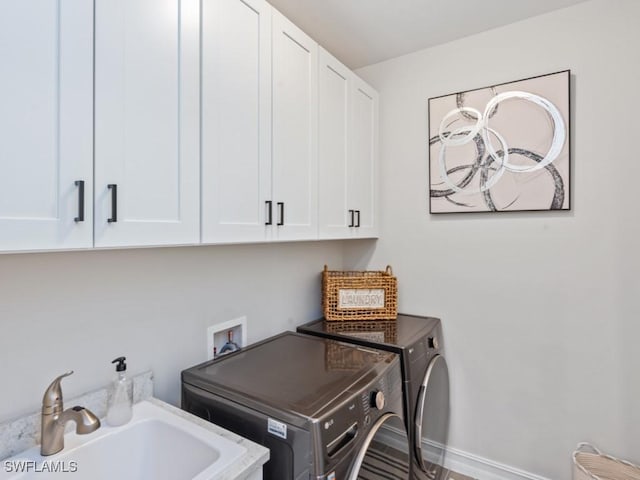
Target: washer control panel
[[376, 399]]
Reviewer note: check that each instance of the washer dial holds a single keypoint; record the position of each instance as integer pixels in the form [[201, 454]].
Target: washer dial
[[376, 399]]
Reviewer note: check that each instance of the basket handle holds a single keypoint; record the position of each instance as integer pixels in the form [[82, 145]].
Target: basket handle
[[581, 446], [580, 449], [326, 269], [388, 270]]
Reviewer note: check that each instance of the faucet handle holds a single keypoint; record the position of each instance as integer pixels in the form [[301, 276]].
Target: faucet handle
[[52, 400]]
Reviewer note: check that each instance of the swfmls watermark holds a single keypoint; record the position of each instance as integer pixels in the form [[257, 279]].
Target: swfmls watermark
[[47, 466]]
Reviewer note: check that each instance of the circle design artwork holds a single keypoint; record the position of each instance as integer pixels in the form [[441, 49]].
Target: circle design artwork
[[465, 125], [484, 185], [558, 129]]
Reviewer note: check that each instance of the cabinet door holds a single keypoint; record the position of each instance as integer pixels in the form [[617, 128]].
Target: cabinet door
[[295, 131], [236, 120], [362, 172], [334, 104], [46, 114], [147, 122]]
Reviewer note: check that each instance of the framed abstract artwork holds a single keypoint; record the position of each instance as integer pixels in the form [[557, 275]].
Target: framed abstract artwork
[[501, 148]]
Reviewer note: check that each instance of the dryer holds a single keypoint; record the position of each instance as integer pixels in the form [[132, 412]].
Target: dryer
[[320, 406], [418, 341]]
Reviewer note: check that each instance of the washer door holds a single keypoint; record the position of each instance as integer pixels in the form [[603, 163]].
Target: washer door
[[384, 453], [432, 417]]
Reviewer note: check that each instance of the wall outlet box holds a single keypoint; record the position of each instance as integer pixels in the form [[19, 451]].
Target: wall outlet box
[[218, 334]]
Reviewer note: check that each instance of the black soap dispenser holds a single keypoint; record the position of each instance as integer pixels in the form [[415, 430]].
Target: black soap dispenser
[[120, 401]]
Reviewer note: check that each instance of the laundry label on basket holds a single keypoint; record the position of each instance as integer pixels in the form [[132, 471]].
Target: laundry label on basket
[[360, 298], [277, 428]]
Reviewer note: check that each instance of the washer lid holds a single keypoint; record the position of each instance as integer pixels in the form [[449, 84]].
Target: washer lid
[[392, 335], [291, 372]]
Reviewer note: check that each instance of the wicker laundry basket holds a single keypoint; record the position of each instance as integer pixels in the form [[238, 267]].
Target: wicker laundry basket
[[589, 463], [351, 295]]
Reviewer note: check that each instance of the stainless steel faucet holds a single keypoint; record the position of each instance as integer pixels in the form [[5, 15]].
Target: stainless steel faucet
[[54, 418]]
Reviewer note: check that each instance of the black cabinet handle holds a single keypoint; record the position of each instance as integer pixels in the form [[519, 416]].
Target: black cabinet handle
[[351, 212], [358, 221], [269, 204], [80, 185], [281, 213], [114, 203]]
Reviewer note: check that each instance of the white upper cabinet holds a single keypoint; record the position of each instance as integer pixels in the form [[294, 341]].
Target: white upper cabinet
[[147, 163], [347, 129], [236, 120], [295, 132], [170, 122], [334, 134], [46, 148], [362, 171]]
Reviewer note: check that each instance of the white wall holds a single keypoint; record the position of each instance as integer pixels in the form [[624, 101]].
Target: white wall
[[540, 310], [80, 310]]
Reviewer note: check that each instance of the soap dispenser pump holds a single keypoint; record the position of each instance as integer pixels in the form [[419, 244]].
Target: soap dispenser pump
[[120, 402]]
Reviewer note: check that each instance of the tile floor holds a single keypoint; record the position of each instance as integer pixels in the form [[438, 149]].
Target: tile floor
[[451, 475], [383, 462]]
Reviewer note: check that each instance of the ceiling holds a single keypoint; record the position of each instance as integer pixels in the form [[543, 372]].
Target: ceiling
[[363, 32]]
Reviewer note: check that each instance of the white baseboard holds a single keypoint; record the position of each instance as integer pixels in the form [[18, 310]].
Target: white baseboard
[[479, 467], [466, 463]]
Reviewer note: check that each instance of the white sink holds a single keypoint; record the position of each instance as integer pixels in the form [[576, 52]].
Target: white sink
[[157, 444]]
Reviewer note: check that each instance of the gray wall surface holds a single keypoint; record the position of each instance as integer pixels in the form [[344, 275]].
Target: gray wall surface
[[80, 310], [540, 310]]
